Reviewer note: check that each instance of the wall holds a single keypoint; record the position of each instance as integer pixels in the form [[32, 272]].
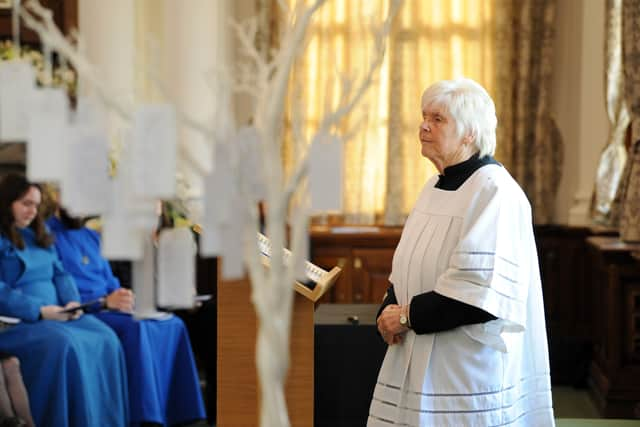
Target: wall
[[578, 103]]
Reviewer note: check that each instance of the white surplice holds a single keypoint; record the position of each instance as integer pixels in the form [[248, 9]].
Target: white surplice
[[475, 245]]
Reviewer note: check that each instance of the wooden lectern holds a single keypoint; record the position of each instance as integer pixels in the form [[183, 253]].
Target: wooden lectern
[[237, 388]]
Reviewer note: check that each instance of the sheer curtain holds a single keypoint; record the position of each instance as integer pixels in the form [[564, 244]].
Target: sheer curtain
[[430, 40]]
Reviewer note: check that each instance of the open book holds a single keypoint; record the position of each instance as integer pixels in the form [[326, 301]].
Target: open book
[[318, 280]]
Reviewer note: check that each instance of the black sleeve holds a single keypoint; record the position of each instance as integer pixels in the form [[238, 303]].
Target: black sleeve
[[390, 298], [431, 312]]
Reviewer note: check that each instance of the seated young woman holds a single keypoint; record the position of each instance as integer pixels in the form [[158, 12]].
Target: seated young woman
[[72, 365], [163, 380]]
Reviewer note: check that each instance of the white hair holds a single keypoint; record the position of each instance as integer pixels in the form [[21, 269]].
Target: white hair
[[470, 106]]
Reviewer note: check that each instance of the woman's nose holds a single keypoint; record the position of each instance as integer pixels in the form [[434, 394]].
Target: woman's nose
[[425, 126]]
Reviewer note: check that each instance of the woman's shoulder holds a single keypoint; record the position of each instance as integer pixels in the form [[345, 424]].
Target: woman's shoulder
[[496, 180]]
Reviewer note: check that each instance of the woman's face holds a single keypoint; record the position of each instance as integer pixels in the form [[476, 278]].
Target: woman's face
[[439, 140], [25, 208]]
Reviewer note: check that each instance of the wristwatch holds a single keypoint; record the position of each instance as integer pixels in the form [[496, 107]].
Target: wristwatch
[[404, 320]]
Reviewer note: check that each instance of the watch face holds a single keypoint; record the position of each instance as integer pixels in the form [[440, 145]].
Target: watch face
[[403, 320]]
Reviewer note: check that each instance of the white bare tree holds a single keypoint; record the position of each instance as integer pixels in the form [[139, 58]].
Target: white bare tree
[[266, 80]]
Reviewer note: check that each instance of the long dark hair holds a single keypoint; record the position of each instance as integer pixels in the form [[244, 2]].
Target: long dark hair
[[70, 221], [13, 187]]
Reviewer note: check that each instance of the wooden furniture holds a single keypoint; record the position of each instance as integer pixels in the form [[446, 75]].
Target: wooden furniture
[[363, 253], [65, 15], [238, 395], [615, 370]]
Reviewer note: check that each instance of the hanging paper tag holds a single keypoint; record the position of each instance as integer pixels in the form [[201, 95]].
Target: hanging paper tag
[[143, 282], [219, 186], [176, 268], [119, 240], [252, 164], [210, 242], [17, 84], [233, 251], [326, 173], [86, 180], [154, 152], [46, 141]]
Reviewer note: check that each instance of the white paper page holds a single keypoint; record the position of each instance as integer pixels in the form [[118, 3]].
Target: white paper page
[[232, 252], [17, 84], [326, 174], [86, 180], [120, 240], [143, 283], [90, 110], [219, 187], [46, 141], [210, 241], [252, 163], [154, 152], [176, 268]]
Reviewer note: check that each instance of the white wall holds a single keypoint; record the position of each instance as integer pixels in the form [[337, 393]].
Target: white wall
[[578, 103]]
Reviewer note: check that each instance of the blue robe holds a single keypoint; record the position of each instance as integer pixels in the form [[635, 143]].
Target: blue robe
[[74, 371], [163, 380]]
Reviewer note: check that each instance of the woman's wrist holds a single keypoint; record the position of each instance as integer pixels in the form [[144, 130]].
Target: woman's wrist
[[404, 316]]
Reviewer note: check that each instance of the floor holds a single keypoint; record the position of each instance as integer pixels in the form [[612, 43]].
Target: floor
[[573, 408], [570, 402]]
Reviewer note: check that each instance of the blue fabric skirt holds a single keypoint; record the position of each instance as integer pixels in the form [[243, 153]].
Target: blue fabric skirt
[[163, 380], [74, 372]]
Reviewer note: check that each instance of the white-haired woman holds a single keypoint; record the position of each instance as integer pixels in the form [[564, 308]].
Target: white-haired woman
[[464, 315]]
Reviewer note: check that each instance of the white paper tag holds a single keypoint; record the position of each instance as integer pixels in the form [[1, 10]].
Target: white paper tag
[[233, 251], [326, 173], [17, 84], [176, 268], [143, 283], [86, 180], [252, 169], [46, 146], [154, 152], [210, 242], [219, 185], [120, 240]]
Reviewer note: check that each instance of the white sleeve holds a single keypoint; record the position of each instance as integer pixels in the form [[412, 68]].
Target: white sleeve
[[489, 267]]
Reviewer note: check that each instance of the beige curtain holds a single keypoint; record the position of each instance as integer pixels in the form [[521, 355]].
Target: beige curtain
[[431, 40], [528, 140], [491, 41], [614, 155], [630, 219], [340, 44]]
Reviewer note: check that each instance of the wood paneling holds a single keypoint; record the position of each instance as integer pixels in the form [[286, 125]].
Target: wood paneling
[[365, 257], [238, 396], [65, 15], [615, 369]]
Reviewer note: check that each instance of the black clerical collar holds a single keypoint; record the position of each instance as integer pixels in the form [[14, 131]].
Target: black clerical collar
[[454, 176]]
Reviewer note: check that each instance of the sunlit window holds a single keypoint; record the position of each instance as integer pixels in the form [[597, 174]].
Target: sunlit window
[[430, 40]]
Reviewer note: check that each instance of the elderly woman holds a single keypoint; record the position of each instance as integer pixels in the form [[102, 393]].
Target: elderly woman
[[72, 365], [463, 316]]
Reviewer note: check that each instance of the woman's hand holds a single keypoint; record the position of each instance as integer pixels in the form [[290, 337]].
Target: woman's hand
[[389, 324], [121, 299], [53, 312], [74, 314]]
